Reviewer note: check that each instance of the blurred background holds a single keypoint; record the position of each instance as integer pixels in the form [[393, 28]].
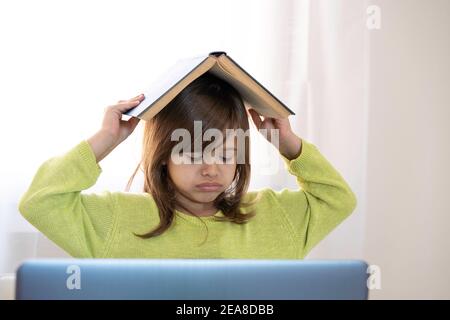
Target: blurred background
[[368, 81]]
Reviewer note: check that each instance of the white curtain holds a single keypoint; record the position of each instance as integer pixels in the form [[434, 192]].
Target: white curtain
[[323, 47]]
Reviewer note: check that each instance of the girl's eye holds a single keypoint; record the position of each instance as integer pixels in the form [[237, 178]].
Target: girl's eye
[[227, 159], [198, 157], [194, 156]]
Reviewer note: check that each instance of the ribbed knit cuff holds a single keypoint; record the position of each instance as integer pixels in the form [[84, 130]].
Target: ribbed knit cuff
[[304, 159], [88, 157]]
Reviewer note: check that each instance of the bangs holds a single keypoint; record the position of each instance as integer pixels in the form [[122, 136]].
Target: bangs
[[213, 115]]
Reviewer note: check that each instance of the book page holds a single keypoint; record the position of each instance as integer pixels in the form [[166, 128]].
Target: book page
[[165, 82]]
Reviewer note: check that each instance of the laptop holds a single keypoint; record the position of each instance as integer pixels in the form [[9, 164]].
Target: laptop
[[191, 279]]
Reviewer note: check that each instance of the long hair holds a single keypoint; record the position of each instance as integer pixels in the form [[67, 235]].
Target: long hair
[[218, 105]]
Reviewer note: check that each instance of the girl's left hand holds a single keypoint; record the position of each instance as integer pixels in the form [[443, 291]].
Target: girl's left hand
[[282, 125], [289, 143]]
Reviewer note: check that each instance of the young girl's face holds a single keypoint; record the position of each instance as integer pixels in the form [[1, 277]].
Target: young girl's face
[[202, 182]]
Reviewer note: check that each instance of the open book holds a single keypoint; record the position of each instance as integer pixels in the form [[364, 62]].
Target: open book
[[185, 71]]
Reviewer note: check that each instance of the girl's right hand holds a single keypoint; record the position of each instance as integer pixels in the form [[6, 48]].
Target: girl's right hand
[[113, 125]]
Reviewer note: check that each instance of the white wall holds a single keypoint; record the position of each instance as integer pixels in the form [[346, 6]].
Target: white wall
[[336, 108], [408, 208]]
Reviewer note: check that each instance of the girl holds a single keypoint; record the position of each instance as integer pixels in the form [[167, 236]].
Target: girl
[[180, 214]]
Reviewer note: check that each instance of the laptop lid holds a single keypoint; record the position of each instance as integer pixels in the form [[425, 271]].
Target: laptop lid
[[192, 279]]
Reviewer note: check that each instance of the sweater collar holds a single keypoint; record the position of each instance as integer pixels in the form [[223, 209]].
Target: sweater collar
[[198, 220]]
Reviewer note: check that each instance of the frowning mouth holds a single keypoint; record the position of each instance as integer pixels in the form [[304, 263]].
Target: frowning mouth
[[209, 186]]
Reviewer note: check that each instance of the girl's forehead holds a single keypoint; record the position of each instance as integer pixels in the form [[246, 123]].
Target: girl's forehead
[[225, 138], [228, 135]]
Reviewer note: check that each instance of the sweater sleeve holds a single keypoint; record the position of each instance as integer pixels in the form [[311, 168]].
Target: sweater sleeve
[[78, 223], [323, 201]]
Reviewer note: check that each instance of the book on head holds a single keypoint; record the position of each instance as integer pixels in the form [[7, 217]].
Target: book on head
[[186, 70]]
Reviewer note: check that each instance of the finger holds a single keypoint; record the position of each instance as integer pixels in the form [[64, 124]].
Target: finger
[[138, 97], [130, 123], [268, 119], [124, 106], [133, 122]]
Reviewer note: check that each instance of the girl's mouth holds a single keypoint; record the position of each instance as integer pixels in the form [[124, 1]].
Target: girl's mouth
[[208, 187]]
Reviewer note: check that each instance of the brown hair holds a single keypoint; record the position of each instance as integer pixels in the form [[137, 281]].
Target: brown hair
[[218, 105]]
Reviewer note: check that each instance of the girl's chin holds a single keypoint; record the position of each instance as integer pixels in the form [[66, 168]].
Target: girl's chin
[[206, 196]]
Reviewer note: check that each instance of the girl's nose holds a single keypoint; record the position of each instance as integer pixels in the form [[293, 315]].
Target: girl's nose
[[209, 170]]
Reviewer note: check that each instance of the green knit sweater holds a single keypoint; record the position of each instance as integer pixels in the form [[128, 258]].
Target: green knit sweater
[[287, 225]]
